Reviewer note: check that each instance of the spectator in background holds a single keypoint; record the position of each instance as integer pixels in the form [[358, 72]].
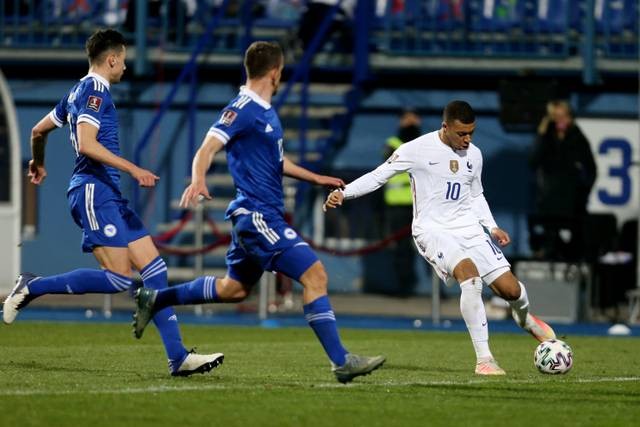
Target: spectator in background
[[565, 173], [398, 200], [315, 13]]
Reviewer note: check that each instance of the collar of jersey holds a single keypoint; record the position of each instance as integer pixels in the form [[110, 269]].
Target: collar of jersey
[[99, 78], [255, 97]]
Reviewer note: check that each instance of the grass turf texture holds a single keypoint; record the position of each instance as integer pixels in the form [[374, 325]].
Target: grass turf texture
[[97, 374]]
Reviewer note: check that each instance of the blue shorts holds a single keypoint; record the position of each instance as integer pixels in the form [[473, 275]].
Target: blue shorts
[[259, 244], [104, 216]]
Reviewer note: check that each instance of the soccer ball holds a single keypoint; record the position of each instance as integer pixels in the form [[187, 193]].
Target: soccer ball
[[553, 357]]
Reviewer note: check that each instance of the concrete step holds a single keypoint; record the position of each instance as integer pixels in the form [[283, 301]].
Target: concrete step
[[220, 252], [313, 112], [217, 203], [310, 156], [312, 134]]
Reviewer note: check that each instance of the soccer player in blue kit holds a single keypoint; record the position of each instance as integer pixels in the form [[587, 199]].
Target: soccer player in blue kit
[[250, 131], [111, 230]]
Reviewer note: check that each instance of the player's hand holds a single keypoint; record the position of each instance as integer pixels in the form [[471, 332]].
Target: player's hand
[[36, 173], [144, 177], [195, 192], [500, 236], [334, 199], [330, 181]]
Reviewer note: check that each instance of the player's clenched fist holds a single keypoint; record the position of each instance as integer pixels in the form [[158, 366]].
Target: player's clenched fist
[[194, 193], [334, 199]]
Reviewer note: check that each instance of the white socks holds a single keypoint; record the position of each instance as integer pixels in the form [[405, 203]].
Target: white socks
[[520, 307], [475, 317]]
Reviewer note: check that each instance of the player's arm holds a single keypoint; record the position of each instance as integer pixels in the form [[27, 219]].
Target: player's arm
[[199, 167], [37, 172], [294, 171], [485, 217], [482, 211], [370, 182], [89, 146]]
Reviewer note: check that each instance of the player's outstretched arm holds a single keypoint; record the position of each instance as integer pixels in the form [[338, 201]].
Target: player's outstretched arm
[[89, 146], [334, 199], [37, 172], [199, 167], [294, 171]]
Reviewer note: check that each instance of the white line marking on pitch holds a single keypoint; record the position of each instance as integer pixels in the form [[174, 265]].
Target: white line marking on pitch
[[205, 387]]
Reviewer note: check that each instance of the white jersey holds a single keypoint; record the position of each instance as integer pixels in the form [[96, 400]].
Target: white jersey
[[446, 185]]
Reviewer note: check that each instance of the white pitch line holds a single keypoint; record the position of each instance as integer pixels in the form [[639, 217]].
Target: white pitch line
[[205, 387]]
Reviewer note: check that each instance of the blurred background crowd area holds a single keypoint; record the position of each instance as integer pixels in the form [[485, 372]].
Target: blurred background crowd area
[[352, 69], [413, 27]]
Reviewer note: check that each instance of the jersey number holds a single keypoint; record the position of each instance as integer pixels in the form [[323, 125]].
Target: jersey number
[[453, 190]]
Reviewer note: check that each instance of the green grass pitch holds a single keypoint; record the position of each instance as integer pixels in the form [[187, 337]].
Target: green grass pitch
[[66, 374]]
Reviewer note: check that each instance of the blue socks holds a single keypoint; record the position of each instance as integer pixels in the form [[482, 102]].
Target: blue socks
[[323, 322], [81, 281], [154, 276], [201, 290]]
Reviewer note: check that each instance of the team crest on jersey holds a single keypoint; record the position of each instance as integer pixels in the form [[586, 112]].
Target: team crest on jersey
[[453, 165], [469, 166], [227, 117], [94, 103]]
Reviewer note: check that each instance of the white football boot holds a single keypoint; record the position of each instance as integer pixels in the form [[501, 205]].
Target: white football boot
[[489, 367], [18, 298], [197, 363]]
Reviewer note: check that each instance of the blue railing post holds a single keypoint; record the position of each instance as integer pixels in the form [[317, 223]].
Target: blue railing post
[[589, 70], [363, 17], [140, 66]]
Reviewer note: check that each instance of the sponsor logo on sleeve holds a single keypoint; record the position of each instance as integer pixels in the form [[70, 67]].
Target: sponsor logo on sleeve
[[227, 117], [94, 103]]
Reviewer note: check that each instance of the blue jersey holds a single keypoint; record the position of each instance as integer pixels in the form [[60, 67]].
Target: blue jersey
[[89, 101], [252, 134]]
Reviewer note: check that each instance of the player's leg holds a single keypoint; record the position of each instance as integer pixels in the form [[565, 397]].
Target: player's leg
[[243, 273], [144, 256], [506, 285], [300, 263], [475, 316], [97, 236], [447, 257]]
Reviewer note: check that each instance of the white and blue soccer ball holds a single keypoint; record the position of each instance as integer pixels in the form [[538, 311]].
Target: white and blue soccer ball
[[553, 357]]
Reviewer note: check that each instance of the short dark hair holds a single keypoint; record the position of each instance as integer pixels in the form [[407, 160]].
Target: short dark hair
[[102, 41], [262, 57], [459, 110]]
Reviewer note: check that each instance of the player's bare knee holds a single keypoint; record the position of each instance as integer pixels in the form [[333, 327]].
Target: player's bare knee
[[465, 270], [315, 278], [230, 290], [507, 287]]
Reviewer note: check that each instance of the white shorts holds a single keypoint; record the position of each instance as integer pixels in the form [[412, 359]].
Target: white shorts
[[444, 251]]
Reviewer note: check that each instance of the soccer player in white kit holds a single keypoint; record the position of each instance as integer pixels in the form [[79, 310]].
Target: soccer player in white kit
[[450, 215]]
